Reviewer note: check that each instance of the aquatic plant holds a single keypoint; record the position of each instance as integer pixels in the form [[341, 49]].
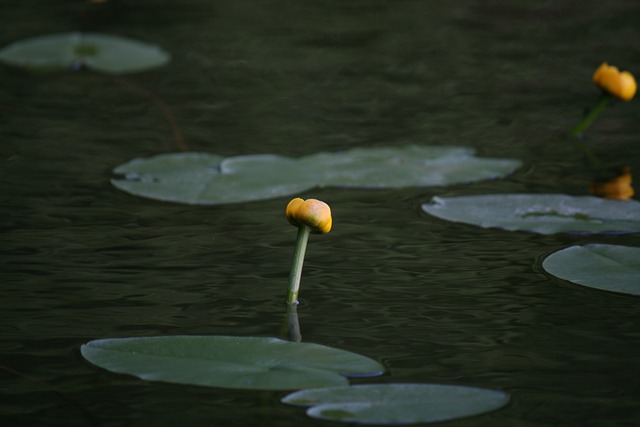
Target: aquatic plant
[[100, 52], [209, 179], [614, 84], [254, 363], [106, 54], [620, 84], [397, 403], [318, 372], [609, 183], [540, 213], [310, 216], [611, 268]]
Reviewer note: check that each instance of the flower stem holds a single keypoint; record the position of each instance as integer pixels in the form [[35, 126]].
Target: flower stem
[[296, 266], [578, 130], [590, 116]]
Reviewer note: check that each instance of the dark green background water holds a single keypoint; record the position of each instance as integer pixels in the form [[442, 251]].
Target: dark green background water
[[433, 301]]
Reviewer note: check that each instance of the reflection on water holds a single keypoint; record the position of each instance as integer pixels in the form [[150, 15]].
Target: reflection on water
[[434, 301]]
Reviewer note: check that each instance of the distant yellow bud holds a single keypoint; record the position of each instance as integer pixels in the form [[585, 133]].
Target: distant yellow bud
[[622, 85]]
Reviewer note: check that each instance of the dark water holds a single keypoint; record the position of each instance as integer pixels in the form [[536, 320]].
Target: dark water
[[433, 301]]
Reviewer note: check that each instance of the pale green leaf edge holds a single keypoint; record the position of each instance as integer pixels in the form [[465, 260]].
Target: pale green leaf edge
[[240, 178], [611, 268], [106, 53], [539, 213], [256, 363], [397, 403]]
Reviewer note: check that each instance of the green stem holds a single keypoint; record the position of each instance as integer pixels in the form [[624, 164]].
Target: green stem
[[590, 116], [579, 129], [296, 266]]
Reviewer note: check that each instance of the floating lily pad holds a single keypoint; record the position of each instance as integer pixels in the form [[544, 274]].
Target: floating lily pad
[[397, 403], [100, 52], [607, 267], [201, 178], [229, 362], [194, 179], [540, 213], [407, 166]]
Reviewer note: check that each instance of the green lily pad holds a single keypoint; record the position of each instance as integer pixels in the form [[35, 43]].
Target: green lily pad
[[229, 362], [540, 213], [100, 52], [607, 267], [408, 166], [208, 179], [188, 178], [397, 403]]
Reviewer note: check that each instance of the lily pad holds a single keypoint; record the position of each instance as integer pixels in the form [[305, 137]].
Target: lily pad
[[607, 267], [397, 403], [229, 362], [407, 166], [540, 213], [208, 179], [188, 178], [101, 52]]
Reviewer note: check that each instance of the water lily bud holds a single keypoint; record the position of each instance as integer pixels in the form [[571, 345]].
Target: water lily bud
[[622, 85], [312, 213], [617, 187]]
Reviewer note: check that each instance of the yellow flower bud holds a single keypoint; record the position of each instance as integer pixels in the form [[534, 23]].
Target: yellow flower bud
[[622, 85], [617, 187], [311, 213]]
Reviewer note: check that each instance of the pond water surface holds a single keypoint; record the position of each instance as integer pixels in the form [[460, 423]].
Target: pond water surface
[[433, 301]]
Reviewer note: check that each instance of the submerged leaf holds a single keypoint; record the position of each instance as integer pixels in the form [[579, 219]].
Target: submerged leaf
[[229, 362], [397, 403], [100, 52], [540, 213], [607, 267], [265, 176]]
